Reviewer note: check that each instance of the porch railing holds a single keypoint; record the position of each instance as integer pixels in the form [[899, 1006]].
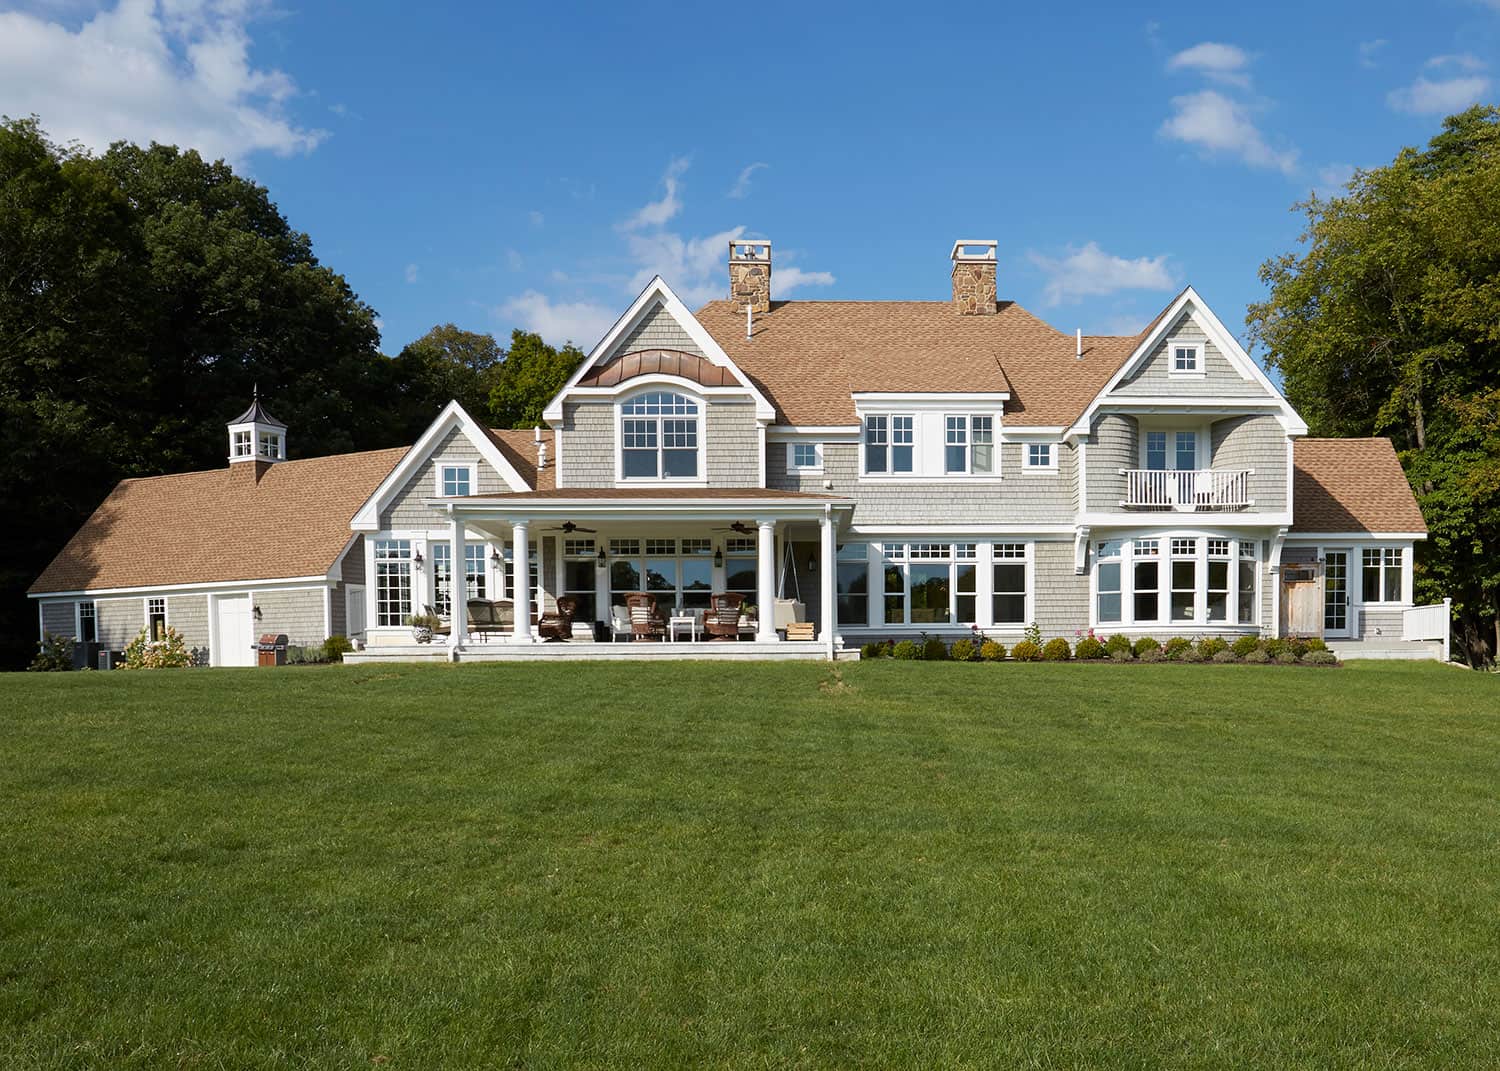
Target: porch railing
[[1187, 490], [1434, 622]]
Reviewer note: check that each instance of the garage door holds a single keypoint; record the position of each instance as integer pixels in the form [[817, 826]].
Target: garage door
[[236, 631]]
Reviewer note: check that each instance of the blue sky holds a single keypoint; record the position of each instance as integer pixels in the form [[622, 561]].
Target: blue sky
[[499, 166]]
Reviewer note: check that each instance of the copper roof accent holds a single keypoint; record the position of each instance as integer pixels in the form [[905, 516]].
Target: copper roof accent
[[628, 366], [1351, 485], [809, 357], [649, 494], [519, 447], [202, 527]]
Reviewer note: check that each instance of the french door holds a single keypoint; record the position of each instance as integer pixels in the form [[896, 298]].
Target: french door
[[1336, 593]]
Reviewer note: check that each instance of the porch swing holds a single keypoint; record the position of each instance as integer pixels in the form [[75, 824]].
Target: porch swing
[[790, 615]]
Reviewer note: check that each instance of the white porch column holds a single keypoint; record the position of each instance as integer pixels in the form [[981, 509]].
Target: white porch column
[[521, 587], [765, 582], [829, 565], [458, 587]]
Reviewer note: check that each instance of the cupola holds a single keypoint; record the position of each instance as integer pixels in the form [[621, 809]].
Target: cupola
[[257, 440]]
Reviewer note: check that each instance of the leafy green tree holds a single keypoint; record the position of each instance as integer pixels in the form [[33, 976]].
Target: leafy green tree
[[529, 377], [1387, 322], [450, 363]]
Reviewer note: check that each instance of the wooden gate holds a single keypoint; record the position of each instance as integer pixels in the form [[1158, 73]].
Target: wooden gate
[[1302, 599]]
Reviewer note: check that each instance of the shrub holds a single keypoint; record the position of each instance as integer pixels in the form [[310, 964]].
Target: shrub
[[1257, 656], [872, 650], [1026, 651], [1286, 658], [962, 651], [1315, 643], [992, 651], [1298, 646], [1056, 650], [1189, 654], [1144, 644], [1321, 658], [1226, 655], [1032, 634], [1122, 654], [1243, 645], [934, 650], [1152, 654], [1209, 646], [1089, 648], [906, 651], [336, 647], [1117, 642], [1275, 646], [169, 652], [54, 654], [1175, 647]]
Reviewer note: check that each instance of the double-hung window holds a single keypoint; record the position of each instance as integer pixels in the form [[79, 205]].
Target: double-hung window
[[889, 443], [156, 619], [659, 437], [956, 444], [88, 623], [1381, 578], [1248, 587], [1109, 581], [1009, 592], [1147, 576], [969, 444], [392, 581], [1184, 576], [1218, 580]]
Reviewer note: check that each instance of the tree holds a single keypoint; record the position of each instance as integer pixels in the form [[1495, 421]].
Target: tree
[[449, 363], [1387, 322], [529, 377]]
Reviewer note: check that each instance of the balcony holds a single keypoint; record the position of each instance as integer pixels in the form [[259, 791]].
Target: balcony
[[1187, 490]]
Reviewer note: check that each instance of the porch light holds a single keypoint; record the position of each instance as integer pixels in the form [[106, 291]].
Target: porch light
[[601, 558], [718, 557], [495, 558], [417, 557]]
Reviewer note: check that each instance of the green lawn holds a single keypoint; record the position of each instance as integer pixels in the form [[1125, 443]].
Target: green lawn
[[751, 866]]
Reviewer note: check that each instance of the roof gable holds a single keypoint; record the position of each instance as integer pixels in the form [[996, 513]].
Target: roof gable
[[657, 319]]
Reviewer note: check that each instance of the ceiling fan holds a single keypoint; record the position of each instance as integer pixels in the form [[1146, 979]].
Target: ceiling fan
[[736, 526], [568, 528]]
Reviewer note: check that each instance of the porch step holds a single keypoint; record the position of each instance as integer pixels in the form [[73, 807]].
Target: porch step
[[791, 650], [1391, 650]]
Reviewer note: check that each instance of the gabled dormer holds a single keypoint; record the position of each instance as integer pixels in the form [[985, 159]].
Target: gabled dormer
[[257, 440]]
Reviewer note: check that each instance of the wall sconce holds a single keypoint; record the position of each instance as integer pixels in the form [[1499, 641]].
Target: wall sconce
[[601, 559], [495, 558], [417, 557], [257, 613], [718, 558], [812, 563]]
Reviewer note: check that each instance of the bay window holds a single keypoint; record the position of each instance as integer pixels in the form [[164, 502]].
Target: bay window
[[659, 437], [1147, 576], [1176, 579], [1382, 576], [1247, 585], [1009, 584], [1218, 580], [392, 581]]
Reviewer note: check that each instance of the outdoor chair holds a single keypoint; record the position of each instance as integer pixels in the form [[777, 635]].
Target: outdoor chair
[[558, 624], [444, 629], [619, 622], [721, 621], [484, 617], [646, 621]]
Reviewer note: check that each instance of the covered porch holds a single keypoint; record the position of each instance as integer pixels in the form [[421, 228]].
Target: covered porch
[[617, 558]]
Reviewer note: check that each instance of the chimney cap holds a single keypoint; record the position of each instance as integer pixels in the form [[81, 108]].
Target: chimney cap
[[743, 249], [974, 249]]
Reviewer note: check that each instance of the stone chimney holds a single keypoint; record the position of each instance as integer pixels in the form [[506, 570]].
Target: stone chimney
[[750, 275], [974, 278]]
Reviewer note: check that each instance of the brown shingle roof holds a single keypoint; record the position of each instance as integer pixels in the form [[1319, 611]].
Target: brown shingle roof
[[647, 494], [200, 527], [808, 357], [1351, 485], [519, 447]]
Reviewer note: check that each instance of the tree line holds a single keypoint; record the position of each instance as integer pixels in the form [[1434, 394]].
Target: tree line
[[144, 292]]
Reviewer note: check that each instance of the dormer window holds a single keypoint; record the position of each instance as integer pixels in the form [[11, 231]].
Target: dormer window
[[888, 443], [659, 437]]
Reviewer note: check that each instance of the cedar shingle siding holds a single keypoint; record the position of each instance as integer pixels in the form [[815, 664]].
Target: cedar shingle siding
[[408, 508], [188, 614], [1154, 378], [58, 617], [1258, 443], [299, 614], [658, 331], [1114, 445], [588, 445]]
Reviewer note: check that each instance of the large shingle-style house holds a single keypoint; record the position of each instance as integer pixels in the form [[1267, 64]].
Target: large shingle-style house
[[894, 467]]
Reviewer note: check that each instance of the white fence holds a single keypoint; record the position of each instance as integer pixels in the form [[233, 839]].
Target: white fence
[[1187, 489], [1434, 622]]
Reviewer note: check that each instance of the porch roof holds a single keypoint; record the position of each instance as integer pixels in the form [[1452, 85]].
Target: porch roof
[[674, 495], [650, 503]]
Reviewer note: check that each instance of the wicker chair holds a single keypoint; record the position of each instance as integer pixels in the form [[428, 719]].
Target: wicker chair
[[721, 621], [558, 624], [646, 621]]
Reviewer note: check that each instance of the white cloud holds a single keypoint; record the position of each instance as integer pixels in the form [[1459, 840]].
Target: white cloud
[[1369, 51], [411, 273], [536, 218], [1091, 272], [657, 213], [785, 280], [1227, 64], [1464, 61], [1426, 97], [581, 322], [741, 185], [1218, 126], [177, 72]]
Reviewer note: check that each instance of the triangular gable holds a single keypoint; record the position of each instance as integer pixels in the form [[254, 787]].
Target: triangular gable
[[658, 296], [1162, 327], [453, 416]]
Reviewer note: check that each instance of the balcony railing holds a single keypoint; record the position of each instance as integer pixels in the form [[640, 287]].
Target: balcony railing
[[1187, 490]]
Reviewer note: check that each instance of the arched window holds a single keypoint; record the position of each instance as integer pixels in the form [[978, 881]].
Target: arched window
[[659, 437]]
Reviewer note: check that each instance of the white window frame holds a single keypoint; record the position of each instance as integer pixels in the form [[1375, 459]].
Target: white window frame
[[791, 457], [165, 620], [956, 434], [78, 619], [890, 444], [438, 481], [1027, 465], [925, 552], [242, 443], [273, 439], [993, 444], [1242, 548], [1027, 560], [1202, 440], [1384, 551], [700, 477], [1197, 371]]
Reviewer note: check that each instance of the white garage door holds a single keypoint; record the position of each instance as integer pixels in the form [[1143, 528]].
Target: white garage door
[[236, 632]]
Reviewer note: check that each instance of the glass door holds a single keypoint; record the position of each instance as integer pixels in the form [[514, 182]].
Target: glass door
[[1336, 593]]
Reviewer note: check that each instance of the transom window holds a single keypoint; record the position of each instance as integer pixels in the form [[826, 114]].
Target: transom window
[[1211, 580], [1381, 578], [889, 443], [392, 581], [929, 583], [659, 437], [455, 481], [673, 577], [806, 456], [1039, 455], [739, 545], [1186, 358]]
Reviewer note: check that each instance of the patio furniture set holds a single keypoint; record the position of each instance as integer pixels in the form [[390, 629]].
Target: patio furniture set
[[641, 618]]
